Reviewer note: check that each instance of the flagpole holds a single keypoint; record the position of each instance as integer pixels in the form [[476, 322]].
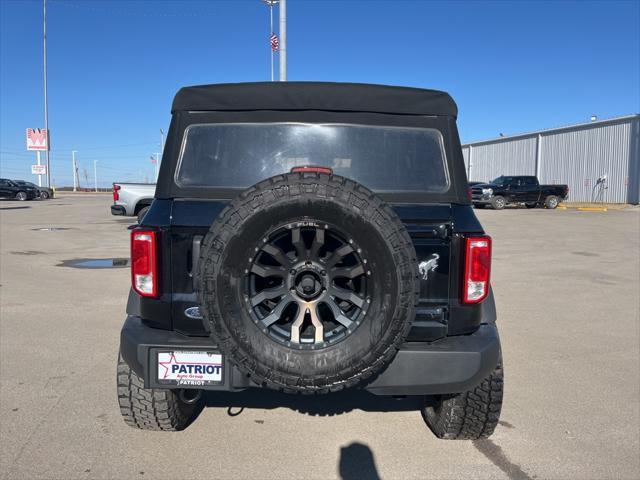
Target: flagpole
[[270, 4]]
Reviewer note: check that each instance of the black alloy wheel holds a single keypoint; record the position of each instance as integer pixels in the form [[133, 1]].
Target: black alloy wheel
[[307, 285]]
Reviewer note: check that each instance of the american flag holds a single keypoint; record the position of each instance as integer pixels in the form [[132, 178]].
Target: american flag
[[153, 160], [274, 42]]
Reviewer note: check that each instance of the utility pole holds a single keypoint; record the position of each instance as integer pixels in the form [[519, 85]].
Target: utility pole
[[46, 100], [75, 170], [78, 175], [157, 166], [162, 141], [283, 40], [95, 174]]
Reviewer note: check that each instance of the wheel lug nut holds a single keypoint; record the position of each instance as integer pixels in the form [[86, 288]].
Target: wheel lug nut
[[323, 272], [292, 271]]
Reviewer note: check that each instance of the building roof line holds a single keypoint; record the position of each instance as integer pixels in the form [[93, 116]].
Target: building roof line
[[553, 130]]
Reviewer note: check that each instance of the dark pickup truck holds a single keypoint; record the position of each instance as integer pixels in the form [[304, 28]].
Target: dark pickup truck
[[522, 189], [309, 238]]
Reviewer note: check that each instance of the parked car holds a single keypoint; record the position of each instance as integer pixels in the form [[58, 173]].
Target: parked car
[[12, 189], [520, 189], [132, 199], [309, 238], [44, 193]]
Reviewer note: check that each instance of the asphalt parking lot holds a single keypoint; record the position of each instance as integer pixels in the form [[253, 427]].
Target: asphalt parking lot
[[566, 285]]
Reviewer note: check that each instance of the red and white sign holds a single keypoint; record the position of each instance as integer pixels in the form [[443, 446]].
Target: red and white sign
[[38, 169], [37, 139]]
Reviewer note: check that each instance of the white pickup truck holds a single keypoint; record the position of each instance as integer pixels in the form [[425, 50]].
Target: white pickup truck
[[132, 199]]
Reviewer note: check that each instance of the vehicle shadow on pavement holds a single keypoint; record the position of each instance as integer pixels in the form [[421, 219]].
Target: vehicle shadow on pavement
[[316, 405], [357, 463]]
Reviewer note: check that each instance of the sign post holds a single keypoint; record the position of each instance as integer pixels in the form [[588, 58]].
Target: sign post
[[39, 176], [38, 140]]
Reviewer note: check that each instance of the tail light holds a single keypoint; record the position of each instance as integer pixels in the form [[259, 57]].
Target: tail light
[[116, 195], [144, 262], [477, 269], [308, 168], [469, 194]]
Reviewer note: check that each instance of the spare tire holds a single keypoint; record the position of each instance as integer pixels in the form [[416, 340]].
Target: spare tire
[[308, 283]]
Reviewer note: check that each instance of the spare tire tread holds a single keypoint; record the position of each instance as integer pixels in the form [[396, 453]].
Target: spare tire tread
[[346, 192]]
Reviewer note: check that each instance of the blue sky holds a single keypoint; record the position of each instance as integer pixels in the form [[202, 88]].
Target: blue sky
[[114, 66]]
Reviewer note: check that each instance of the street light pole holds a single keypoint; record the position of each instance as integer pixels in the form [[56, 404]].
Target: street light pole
[[283, 40], [157, 166], [95, 174], [73, 166], [46, 100]]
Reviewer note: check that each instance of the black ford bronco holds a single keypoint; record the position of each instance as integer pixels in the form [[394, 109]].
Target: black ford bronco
[[309, 238]]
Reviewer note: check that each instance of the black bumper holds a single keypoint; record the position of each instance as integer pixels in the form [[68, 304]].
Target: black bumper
[[481, 199], [118, 210], [449, 365]]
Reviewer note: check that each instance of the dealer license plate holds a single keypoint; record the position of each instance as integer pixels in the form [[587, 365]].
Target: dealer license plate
[[181, 367]]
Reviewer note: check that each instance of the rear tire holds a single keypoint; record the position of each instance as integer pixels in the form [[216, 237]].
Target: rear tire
[[498, 203], [151, 408], [44, 195], [551, 202], [469, 415], [22, 196], [142, 213]]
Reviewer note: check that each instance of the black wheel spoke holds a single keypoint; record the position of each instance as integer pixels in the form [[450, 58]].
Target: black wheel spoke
[[266, 271], [277, 311], [338, 314], [318, 242], [338, 255], [298, 244], [268, 294], [277, 254], [348, 272], [347, 295]]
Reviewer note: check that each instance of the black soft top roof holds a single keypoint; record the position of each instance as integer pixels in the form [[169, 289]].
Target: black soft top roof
[[347, 97]]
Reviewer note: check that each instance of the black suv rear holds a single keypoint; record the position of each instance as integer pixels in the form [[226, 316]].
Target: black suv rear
[[308, 238]]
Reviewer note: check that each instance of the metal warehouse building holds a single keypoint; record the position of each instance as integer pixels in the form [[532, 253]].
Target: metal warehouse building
[[576, 155]]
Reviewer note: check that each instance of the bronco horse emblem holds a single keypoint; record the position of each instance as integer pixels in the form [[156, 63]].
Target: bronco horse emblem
[[427, 266]]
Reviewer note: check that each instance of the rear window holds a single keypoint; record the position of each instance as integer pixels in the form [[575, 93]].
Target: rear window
[[381, 158]]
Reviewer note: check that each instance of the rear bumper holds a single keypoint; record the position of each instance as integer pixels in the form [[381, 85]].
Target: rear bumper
[[118, 210], [449, 365]]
